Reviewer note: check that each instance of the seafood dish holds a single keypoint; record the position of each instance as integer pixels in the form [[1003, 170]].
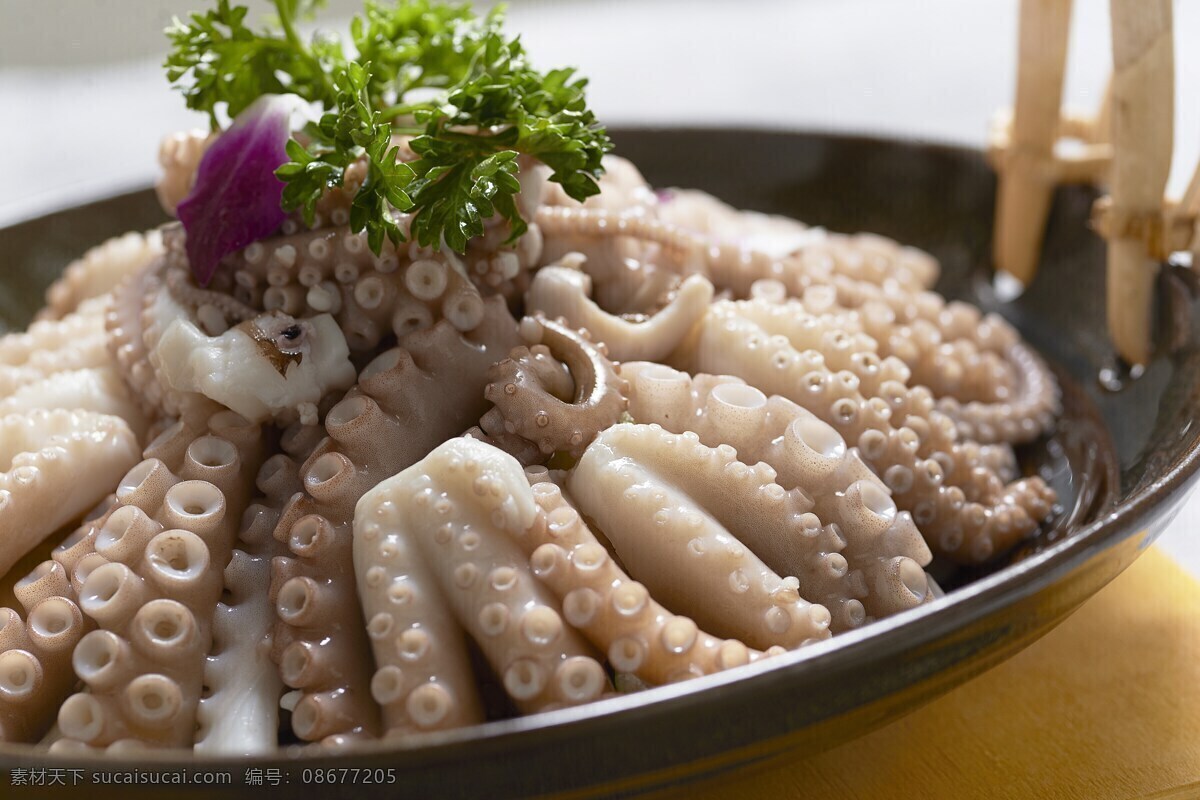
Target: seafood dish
[[425, 413]]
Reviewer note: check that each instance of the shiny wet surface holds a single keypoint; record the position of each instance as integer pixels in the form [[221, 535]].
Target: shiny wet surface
[[1127, 484]]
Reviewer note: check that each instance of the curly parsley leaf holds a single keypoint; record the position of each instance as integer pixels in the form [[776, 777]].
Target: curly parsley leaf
[[337, 141], [544, 116], [461, 184], [491, 108], [418, 44], [220, 63]]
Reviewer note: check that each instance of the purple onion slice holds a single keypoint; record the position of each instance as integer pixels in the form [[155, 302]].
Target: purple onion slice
[[236, 197]]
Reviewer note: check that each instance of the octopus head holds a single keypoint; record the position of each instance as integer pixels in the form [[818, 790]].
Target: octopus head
[[307, 358], [282, 340]]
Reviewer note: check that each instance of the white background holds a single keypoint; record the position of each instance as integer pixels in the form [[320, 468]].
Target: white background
[[83, 102]]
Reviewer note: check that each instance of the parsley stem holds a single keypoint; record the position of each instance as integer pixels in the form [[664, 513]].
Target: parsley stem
[[402, 109], [289, 30], [476, 139], [284, 7]]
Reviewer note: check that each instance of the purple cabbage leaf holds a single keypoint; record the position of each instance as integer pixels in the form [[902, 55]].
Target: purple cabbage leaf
[[236, 196]]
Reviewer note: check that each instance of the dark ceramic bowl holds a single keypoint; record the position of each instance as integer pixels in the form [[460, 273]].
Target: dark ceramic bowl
[[1122, 462]]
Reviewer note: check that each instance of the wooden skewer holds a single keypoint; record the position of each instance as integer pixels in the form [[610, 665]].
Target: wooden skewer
[[1186, 215], [1143, 139], [1026, 176], [1176, 228]]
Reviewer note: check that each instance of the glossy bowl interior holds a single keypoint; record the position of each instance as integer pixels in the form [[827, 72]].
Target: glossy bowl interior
[[1120, 460]]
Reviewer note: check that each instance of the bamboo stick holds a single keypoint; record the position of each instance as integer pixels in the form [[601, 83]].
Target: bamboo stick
[[1183, 219], [1187, 209], [1143, 139], [1026, 176]]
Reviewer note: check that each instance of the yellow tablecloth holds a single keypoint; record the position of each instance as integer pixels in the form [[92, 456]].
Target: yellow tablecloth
[[1104, 707]]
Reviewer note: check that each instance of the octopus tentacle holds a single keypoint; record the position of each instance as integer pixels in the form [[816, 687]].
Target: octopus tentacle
[[442, 531], [179, 283], [983, 376], [142, 310], [849, 341], [100, 270], [964, 357], [332, 270], [179, 156], [76, 553], [871, 562], [240, 713], [154, 591], [683, 501], [950, 353], [39, 674], [528, 408], [407, 401], [852, 355], [968, 515], [35, 657], [96, 389], [560, 292], [423, 678], [127, 349], [640, 290], [13, 379], [622, 189], [318, 640], [77, 341], [45, 451], [568, 228], [1024, 417], [802, 255], [615, 612], [864, 256]]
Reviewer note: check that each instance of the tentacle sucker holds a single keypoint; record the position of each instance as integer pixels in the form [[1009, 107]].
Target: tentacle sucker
[[682, 501], [616, 613], [528, 398], [441, 533]]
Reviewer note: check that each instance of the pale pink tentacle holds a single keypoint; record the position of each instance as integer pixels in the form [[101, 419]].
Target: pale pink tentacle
[[663, 499], [408, 400], [153, 586], [851, 567], [528, 399], [457, 512], [615, 612], [560, 292], [967, 515], [58, 465]]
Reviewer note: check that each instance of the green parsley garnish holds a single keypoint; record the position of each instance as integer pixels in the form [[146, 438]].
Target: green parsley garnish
[[431, 70]]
